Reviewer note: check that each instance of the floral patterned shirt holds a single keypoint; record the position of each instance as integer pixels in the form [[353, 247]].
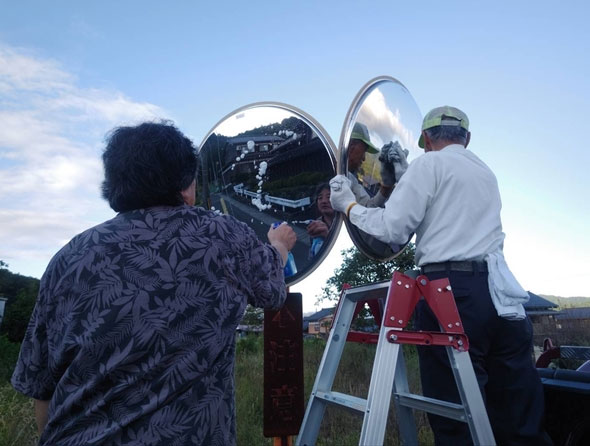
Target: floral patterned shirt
[[132, 338]]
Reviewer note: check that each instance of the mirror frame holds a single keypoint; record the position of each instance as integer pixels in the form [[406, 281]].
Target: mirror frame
[[331, 151], [349, 122]]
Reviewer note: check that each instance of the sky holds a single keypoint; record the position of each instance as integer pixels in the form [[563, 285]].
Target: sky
[[70, 71]]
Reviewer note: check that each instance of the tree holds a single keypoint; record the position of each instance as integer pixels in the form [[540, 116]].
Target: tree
[[357, 269], [253, 316], [17, 315], [21, 293]]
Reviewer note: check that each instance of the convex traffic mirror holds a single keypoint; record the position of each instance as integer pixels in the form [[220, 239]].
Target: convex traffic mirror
[[383, 115], [266, 163]]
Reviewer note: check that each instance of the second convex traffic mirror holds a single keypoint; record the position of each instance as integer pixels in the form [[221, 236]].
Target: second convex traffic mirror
[[382, 118]]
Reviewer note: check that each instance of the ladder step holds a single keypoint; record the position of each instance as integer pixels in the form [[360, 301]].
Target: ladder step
[[341, 399], [431, 405]]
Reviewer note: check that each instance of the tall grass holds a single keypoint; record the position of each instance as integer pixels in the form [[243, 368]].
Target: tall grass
[[17, 420], [339, 427]]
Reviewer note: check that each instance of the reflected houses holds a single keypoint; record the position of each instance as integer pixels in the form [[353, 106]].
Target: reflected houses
[[296, 162], [260, 151]]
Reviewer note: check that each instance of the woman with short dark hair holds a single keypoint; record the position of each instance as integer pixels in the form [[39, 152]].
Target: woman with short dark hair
[[132, 339]]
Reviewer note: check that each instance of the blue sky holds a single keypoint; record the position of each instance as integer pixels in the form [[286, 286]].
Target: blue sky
[[71, 70]]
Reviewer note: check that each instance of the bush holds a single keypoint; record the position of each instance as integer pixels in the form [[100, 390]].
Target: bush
[[8, 356], [17, 315]]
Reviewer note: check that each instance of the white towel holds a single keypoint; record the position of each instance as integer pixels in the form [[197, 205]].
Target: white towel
[[507, 294]]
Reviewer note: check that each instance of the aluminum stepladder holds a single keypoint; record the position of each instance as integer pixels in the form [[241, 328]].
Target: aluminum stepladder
[[389, 371]]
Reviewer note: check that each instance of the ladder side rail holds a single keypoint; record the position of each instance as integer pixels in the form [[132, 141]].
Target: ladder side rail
[[314, 412], [335, 344], [405, 414], [439, 297], [385, 364], [471, 398], [380, 391]]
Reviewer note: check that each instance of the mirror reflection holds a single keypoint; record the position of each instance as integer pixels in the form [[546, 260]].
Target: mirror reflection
[[376, 147], [265, 164]]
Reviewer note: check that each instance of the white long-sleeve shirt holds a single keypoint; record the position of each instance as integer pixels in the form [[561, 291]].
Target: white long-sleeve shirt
[[362, 196], [450, 199]]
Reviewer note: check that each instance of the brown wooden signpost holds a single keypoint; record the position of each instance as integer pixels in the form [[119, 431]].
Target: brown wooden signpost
[[283, 371]]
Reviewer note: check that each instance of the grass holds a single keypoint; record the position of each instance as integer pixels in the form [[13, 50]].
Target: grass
[[17, 421], [339, 427]]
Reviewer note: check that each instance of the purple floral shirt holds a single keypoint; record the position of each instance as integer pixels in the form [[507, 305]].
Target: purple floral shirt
[[132, 338]]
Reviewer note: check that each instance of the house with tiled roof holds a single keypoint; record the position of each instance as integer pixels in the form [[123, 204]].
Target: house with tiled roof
[[576, 321], [319, 323], [542, 313]]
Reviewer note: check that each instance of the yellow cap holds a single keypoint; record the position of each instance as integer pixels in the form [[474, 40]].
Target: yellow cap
[[360, 131], [445, 115]]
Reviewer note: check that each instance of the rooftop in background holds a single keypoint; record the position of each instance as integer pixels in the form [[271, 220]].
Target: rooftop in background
[[574, 313], [538, 305], [320, 314]]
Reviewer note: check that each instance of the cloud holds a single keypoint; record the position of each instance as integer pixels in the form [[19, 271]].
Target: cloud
[[251, 118], [392, 115], [22, 72], [50, 144]]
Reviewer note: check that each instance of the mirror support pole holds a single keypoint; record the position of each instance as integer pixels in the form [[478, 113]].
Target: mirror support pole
[[283, 370]]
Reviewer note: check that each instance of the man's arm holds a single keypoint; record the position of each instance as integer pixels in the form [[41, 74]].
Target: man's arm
[[405, 209], [41, 409]]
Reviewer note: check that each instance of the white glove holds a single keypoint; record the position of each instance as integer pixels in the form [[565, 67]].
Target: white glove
[[387, 174], [393, 157], [341, 195]]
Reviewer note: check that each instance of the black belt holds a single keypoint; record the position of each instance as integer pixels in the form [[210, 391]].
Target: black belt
[[466, 265]]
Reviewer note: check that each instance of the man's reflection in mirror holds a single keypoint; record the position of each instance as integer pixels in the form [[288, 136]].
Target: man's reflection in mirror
[[360, 143], [319, 228]]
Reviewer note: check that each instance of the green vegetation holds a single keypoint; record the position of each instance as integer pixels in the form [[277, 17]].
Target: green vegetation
[[340, 428], [21, 293], [17, 421], [357, 269], [568, 302]]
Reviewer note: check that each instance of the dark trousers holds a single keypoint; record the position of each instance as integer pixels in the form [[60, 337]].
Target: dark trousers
[[501, 353]]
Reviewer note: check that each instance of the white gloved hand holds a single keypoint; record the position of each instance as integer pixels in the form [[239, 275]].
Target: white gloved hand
[[387, 174], [341, 196], [393, 157]]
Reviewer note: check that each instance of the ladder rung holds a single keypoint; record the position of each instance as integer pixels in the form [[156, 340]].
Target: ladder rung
[[342, 399], [431, 405]]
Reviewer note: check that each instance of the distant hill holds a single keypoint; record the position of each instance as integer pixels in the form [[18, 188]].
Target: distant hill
[[568, 302], [11, 284]]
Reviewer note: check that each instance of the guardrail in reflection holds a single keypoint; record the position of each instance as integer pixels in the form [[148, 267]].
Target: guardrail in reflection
[[283, 202]]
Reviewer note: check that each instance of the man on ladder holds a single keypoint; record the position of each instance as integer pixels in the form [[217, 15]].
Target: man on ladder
[[450, 199]]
